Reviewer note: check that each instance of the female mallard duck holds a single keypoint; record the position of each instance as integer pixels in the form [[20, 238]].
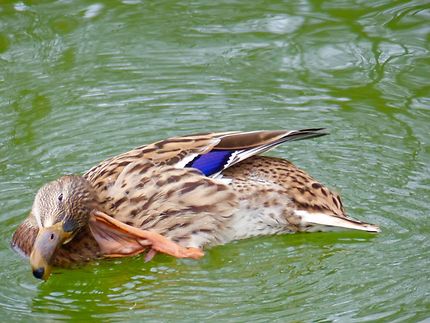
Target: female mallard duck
[[177, 196]]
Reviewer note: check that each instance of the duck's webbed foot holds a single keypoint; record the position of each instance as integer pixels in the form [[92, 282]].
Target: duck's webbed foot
[[117, 239]]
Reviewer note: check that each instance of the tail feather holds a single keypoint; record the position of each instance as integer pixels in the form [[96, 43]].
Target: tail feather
[[325, 222]]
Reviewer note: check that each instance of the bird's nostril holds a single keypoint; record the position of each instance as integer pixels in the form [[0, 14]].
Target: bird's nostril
[[38, 273]]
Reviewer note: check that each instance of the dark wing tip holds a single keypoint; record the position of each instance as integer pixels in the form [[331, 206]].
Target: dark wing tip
[[308, 133], [322, 131]]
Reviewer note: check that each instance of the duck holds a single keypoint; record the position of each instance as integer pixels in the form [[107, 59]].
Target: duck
[[178, 196]]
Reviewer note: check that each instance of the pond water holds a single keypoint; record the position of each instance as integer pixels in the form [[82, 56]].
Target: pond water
[[81, 81]]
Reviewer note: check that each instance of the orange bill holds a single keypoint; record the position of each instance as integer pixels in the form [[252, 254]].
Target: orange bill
[[117, 239]]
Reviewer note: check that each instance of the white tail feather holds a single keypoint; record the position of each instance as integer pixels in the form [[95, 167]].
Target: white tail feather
[[325, 222]]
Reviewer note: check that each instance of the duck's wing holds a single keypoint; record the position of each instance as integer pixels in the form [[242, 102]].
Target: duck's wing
[[24, 236], [236, 147], [210, 153], [179, 206]]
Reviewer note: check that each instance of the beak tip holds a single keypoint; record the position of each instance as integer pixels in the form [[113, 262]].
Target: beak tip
[[39, 272]]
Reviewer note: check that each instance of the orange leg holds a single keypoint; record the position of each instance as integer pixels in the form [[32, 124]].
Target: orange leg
[[131, 238]]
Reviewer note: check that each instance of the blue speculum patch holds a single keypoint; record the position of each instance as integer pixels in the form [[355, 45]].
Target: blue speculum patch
[[212, 162]]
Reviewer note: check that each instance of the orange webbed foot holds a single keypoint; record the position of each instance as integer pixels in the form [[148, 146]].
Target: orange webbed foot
[[123, 240]]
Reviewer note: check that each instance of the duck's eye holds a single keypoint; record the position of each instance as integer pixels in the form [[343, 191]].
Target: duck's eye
[[60, 197]]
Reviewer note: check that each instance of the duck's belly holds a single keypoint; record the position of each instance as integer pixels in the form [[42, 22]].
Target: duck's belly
[[265, 207], [248, 221], [251, 220]]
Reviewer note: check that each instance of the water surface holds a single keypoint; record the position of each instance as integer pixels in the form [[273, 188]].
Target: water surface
[[81, 81]]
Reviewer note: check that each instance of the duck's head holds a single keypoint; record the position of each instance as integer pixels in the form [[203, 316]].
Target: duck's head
[[61, 208]]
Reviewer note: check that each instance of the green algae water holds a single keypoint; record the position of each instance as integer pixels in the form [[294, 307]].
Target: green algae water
[[81, 81]]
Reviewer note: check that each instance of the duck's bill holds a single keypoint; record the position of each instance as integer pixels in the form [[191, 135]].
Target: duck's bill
[[48, 240]]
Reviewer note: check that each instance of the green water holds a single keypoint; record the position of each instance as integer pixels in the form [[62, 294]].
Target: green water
[[81, 81]]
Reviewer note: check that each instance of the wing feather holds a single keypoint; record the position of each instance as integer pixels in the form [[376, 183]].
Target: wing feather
[[177, 203], [187, 151]]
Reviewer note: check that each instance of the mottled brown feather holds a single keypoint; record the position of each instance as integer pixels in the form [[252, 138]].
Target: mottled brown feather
[[303, 191]]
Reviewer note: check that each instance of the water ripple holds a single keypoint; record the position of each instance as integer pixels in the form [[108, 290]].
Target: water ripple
[[81, 82]]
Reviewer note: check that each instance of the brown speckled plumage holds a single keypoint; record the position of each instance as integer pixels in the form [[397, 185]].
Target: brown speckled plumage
[[149, 188]]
